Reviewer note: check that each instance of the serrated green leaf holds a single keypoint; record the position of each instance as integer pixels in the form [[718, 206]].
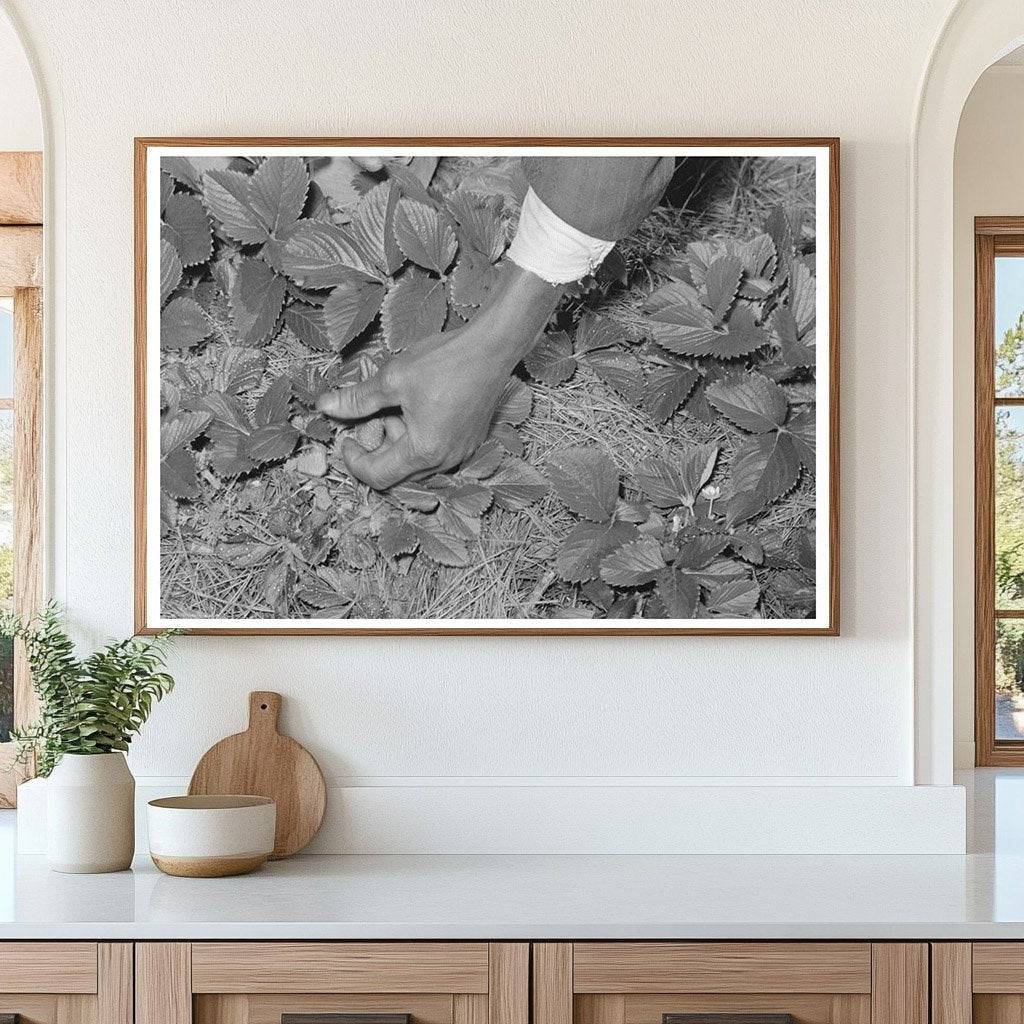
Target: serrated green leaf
[[763, 469], [802, 296], [178, 475], [634, 564], [594, 333], [307, 324], [472, 279], [721, 284], [803, 428], [675, 293], [256, 298], [183, 324], [515, 405], [586, 480], [484, 461], [323, 256], [187, 228], [551, 360], [274, 405], [667, 389], [679, 593], [170, 270], [670, 486], [700, 551], [357, 551], [182, 429], [751, 401], [517, 485], [579, 556], [373, 227], [277, 192], [414, 308], [272, 443], [443, 549], [226, 198], [398, 537], [620, 370], [416, 496], [424, 235], [350, 309], [480, 223], [238, 369], [735, 600]]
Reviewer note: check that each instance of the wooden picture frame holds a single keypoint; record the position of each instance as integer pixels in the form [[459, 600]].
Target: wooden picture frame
[[826, 619]]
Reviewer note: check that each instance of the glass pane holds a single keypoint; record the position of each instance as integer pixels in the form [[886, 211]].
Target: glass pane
[[1009, 483], [1009, 325], [1009, 679], [6, 567], [6, 348]]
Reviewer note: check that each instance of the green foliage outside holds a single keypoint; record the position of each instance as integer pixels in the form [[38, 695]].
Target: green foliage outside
[[90, 705]]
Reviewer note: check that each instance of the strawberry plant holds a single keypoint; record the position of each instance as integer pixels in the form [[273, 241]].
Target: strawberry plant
[[652, 457]]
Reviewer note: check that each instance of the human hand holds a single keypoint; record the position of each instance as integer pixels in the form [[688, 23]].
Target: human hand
[[445, 388]]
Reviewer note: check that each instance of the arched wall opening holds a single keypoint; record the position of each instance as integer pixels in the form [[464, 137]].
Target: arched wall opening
[[976, 34]]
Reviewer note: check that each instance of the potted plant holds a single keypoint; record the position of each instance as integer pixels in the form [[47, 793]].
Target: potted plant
[[89, 709]]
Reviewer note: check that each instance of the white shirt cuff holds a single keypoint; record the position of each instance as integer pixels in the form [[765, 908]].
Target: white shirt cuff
[[553, 250]]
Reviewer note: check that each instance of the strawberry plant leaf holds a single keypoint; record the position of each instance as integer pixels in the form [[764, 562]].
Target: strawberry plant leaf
[[272, 443], [778, 226], [166, 189], [479, 221], [596, 332], [667, 389], [178, 475], [701, 551], [472, 278], [551, 360], [586, 480], [685, 329], [182, 429], [734, 600], [619, 370], [579, 556], [187, 227], [183, 324], [794, 352], [398, 537], [424, 235], [357, 551], [679, 593], [238, 369], [751, 401], [415, 496], [516, 403], [307, 324], [373, 227], [764, 469], [414, 308], [742, 336], [802, 296], [257, 296], [721, 285], [660, 482], [484, 461], [517, 485], [170, 270], [802, 427], [748, 547], [229, 455], [277, 192], [675, 293], [322, 256], [275, 403], [471, 500], [350, 309], [441, 548], [226, 198], [634, 564]]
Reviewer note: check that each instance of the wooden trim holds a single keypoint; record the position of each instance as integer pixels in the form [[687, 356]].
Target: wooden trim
[[636, 967], [999, 225], [21, 258], [899, 983], [21, 188], [115, 983], [599, 1009], [340, 967], [64, 967], [142, 144], [552, 983], [163, 983], [997, 967], [951, 983], [467, 1008], [508, 983]]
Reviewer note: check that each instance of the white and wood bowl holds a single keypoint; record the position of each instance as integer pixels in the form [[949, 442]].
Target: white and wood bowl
[[211, 836]]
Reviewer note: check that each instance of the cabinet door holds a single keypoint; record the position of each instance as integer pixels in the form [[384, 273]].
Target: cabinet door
[[737, 982], [980, 982], [332, 983], [66, 982]]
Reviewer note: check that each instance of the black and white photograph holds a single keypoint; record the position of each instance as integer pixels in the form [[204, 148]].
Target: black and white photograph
[[413, 387]]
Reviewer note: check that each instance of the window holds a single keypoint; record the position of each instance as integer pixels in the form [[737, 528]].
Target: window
[[999, 490]]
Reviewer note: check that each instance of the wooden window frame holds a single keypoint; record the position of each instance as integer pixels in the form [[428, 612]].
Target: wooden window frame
[[21, 270]]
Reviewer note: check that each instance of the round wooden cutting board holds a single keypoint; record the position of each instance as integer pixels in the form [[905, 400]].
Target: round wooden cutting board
[[262, 762]]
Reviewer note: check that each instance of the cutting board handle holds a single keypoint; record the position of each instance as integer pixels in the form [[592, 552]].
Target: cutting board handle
[[264, 710]]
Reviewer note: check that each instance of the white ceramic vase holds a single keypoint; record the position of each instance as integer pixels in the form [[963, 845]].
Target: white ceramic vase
[[90, 814]]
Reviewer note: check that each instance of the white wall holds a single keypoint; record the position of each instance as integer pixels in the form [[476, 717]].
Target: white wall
[[988, 181], [397, 712], [21, 125]]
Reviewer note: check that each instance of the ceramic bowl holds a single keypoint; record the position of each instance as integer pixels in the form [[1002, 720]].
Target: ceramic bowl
[[211, 836]]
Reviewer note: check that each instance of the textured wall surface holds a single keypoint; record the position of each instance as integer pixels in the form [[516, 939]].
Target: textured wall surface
[[21, 124], [732, 711]]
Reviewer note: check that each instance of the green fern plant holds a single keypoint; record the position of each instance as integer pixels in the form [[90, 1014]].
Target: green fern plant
[[90, 705]]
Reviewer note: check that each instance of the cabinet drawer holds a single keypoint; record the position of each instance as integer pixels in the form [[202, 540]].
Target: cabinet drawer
[[261, 982], [48, 967], [737, 982]]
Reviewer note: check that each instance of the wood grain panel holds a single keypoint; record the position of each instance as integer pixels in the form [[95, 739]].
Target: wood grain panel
[[21, 188], [224, 1009], [599, 1009], [33, 1009], [899, 989], [998, 967], [851, 1009], [951, 982], [508, 990], [48, 967], [806, 1008], [633, 967], [163, 983], [552, 983], [997, 1009], [115, 982], [21, 258], [76, 1010], [469, 1008], [339, 967], [238, 1008]]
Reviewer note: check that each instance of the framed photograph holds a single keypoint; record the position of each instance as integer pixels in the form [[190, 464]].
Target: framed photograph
[[487, 386]]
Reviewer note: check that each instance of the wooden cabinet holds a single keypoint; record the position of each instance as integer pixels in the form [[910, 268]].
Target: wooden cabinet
[[980, 982], [646, 982], [66, 982], [259, 982]]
